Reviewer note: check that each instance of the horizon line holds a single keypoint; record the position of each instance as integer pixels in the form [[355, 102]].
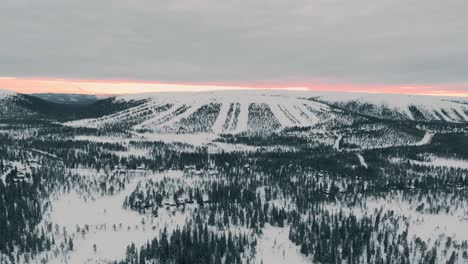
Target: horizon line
[[101, 87]]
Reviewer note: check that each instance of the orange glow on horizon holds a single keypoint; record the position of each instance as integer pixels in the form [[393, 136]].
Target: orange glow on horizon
[[82, 86]]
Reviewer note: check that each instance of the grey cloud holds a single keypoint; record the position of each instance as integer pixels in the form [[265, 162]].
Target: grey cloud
[[365, 41]]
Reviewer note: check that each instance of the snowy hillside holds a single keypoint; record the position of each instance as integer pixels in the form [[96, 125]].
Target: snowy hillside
[[400, 107], [10, 105], [15, 105], [237, 111], [260, 111], [217, 112], [6, 93]]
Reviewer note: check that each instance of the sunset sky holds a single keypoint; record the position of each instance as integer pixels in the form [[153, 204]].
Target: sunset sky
[[121, 46]]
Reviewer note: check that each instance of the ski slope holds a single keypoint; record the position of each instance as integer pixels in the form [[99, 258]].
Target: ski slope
[[215, 112]]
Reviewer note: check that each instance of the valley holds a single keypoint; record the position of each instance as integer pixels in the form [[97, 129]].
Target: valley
[[234, 177]]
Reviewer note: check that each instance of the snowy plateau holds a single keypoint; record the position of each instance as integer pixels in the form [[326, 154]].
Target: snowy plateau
[[244, 176]]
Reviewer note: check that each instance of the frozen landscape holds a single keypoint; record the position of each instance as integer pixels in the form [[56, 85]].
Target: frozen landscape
[[246, 176]]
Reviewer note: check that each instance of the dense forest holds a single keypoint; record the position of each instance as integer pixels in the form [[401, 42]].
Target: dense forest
[[364, 190]]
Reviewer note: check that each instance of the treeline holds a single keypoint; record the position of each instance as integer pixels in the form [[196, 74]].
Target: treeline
[[193, 244]]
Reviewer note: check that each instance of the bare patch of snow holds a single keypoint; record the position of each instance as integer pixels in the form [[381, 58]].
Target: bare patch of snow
[[336, 145], [443, 162], [274, 247], [362, 160], [425, 140]]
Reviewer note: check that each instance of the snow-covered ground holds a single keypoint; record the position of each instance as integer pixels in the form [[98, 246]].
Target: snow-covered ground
[[430, 226], [423, 225], [443, 162], [111, 227], [425, 140], [337, 143], [274, 247], [362, 160], [192, 139]]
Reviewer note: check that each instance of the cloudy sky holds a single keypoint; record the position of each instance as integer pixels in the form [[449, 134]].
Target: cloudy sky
[[403, 46]]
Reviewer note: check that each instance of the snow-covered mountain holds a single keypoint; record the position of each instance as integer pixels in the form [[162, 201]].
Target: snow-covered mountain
[[400, 107], [269, 110], [217, 112], [237, 111], [12, 105]]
